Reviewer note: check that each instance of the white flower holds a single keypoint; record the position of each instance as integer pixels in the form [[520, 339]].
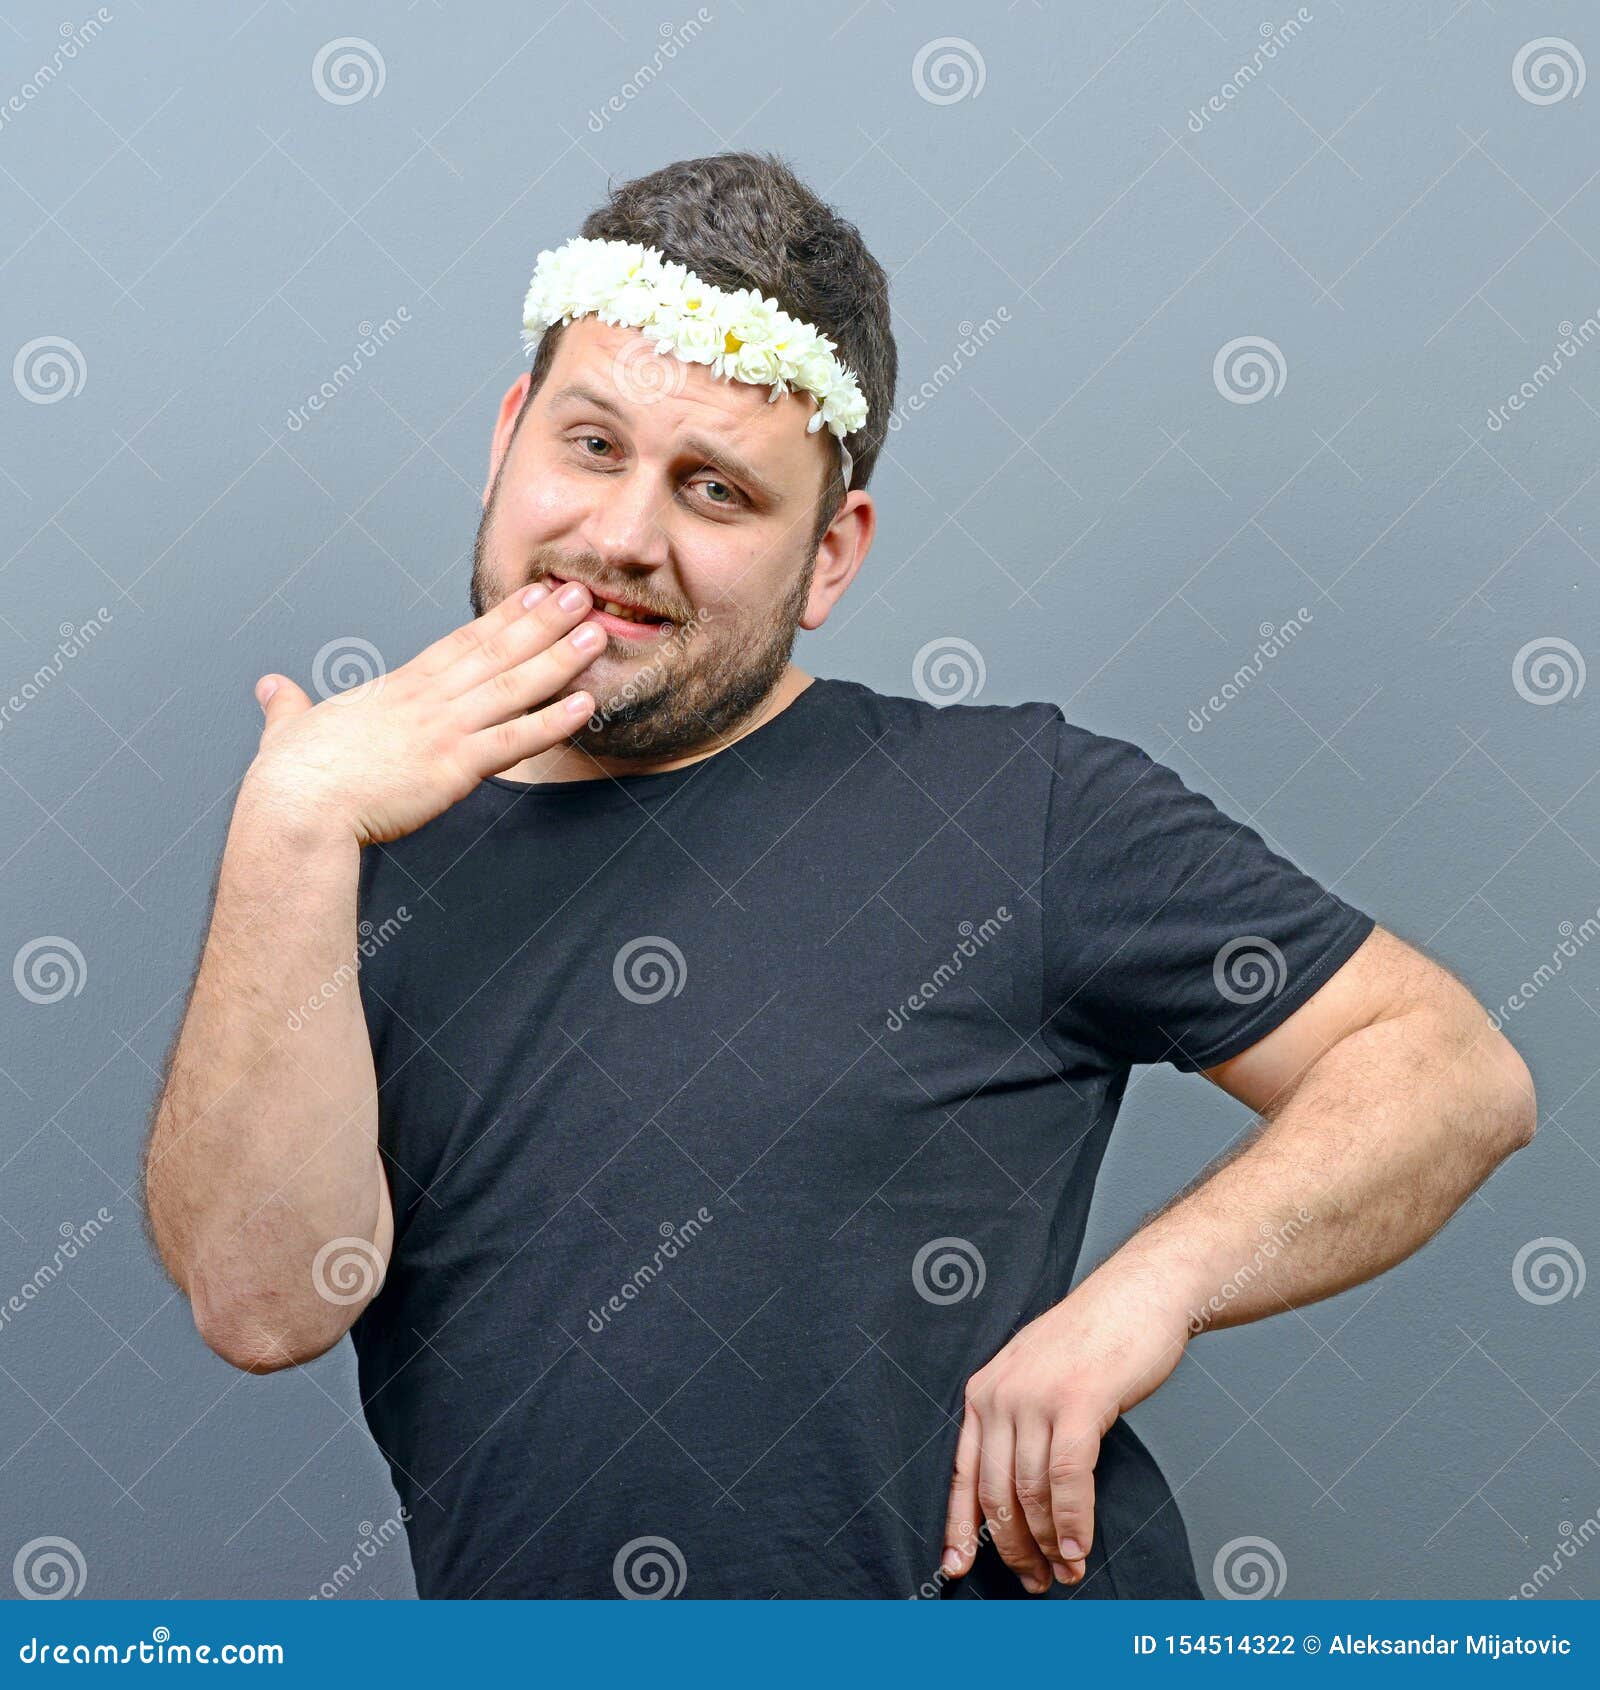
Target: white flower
[[636, 302], [817, 372], [844, 411], [755, 362], [699, 340], [752, 317], [695, 299]]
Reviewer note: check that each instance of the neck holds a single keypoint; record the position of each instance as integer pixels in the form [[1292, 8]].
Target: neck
[[570, 762]]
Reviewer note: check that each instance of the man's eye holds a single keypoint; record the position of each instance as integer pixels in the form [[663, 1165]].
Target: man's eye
[[590, 439], [731, 497]]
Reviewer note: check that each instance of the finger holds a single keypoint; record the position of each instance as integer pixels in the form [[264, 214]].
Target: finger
[[496, 749], [1033, 1488], [997, 1495], [1074, 1449], [436, 658], [516, 641], [963, 1519], [509, 692], [279, 699]]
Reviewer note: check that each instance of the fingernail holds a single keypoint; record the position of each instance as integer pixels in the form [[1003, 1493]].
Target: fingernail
[[951, 1561], [265, 690], [570, 596], [1070, 1550], [579, 704], [586, 636], [1034, 1585], [533, 595]]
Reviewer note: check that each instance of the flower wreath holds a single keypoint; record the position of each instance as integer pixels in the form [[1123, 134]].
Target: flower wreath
[[738, 334]]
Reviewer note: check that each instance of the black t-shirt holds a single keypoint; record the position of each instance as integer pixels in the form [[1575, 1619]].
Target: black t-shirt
[[735, 1115]]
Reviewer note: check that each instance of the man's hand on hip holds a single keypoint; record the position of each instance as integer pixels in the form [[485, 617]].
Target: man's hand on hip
[[1034, 1419]]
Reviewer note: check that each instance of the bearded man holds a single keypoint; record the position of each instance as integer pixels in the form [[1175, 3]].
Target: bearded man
[[702, 1162]]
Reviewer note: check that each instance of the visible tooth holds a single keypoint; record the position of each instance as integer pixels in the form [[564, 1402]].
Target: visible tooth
[[612, 608]]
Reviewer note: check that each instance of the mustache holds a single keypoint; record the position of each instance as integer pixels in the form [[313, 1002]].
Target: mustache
[[617, 592]]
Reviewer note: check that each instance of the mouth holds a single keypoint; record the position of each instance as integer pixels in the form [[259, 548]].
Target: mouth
[[618, 617]]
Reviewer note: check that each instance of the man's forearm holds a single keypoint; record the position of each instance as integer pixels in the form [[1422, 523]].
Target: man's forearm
[[263, 1147], [1388, 1133]]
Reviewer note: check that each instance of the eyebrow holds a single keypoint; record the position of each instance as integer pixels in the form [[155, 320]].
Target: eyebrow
[[717, 456]]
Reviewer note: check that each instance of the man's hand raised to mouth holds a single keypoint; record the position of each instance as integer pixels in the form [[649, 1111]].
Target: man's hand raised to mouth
[[263, 1164], [393, 753]]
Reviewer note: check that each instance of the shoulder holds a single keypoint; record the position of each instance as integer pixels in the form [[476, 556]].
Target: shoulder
[[922, 725], [1035, 735]]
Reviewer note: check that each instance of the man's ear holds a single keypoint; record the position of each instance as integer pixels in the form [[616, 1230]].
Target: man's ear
[[842, 551], [505, 423]]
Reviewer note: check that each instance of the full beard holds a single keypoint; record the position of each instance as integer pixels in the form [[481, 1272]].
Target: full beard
[[688, 694]]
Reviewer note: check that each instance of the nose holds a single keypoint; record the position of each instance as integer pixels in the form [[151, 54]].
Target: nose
[[623, 527]]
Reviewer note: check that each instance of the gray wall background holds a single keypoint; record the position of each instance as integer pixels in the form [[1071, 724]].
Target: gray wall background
[[1077, 497]]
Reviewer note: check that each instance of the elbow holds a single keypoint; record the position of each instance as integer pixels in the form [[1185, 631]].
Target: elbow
[[263, 1333], [244, 1353], [1515, 1103]]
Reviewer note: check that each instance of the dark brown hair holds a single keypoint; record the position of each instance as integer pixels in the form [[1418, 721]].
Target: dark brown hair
[[745, 220]]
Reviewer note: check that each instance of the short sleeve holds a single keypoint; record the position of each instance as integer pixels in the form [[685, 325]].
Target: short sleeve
[[1172, 932]]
